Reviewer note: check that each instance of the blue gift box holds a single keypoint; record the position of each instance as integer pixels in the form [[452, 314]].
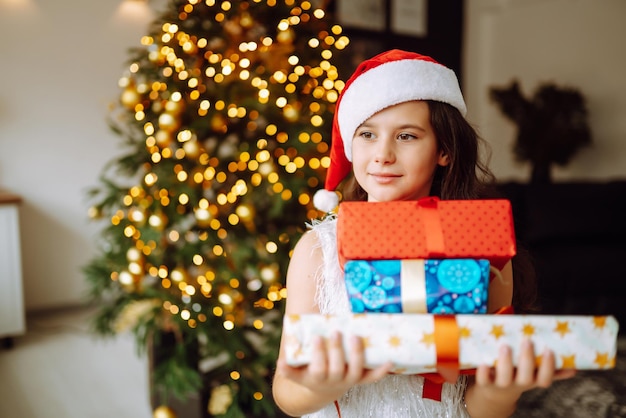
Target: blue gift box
[[438, 286]]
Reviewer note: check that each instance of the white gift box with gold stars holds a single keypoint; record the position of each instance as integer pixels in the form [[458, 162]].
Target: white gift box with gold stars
[[414, 342]]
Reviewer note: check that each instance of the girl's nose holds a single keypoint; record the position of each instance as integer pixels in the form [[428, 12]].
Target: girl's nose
[[385, 152]]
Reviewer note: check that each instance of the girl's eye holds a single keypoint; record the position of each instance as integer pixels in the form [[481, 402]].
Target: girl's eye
[[406, 137], [366, 135]]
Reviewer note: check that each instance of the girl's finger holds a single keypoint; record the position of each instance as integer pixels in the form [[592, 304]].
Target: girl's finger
[[504, 367], [356, 362], [564, 374], [376, 374], [483, 375], [293, 373], [525, 374], [318, 364], [336, 358], [545, 374]]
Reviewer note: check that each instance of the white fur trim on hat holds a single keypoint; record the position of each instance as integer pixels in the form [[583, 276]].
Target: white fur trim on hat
[[392, 83], [325, 200]]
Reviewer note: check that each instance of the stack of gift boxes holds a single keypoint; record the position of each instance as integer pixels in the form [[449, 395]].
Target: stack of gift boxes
[[417, 274]]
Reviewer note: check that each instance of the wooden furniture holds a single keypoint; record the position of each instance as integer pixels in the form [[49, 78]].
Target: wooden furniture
[[12, 317]]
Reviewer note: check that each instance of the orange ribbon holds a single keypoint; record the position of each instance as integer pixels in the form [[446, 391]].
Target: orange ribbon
[[429, 213], [447, 346]]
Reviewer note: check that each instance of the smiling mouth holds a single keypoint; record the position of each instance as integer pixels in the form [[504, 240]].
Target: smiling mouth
[[384, 178]]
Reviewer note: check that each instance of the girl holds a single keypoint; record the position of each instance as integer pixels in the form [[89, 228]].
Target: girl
[[399, 126]]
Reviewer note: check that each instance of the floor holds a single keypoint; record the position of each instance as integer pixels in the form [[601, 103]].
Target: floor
[[59, 369]]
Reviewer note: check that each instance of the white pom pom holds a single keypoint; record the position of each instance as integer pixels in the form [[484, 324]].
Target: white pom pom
[[325, 200]]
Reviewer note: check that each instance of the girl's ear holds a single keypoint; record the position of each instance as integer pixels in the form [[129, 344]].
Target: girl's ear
[[443, 160]]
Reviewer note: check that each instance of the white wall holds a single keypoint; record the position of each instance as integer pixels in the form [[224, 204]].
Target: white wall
[[578, 43], [61, 61]]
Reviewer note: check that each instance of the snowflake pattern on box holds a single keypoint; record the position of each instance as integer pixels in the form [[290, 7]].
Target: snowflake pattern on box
[[447, 286]]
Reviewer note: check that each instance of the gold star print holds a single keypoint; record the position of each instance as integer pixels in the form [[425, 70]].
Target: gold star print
[[291, 339], [562, 328], [497, 331], [569, 362], [395, 341], [465, 332], [538, 360], [297, 353], [294, 317], [293, 342], [428, 339], [366, 342], [602, 360], [599, 321], [528, 330]]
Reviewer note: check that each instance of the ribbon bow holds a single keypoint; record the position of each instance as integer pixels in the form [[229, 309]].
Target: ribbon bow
[[447, 346]]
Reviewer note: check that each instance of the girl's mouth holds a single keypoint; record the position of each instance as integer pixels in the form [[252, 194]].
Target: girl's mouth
[[384, 178]]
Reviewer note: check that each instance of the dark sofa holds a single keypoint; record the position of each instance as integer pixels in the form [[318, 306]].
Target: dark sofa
[[576, 235]]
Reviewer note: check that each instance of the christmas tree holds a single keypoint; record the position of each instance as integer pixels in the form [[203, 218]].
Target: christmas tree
[[225, 113]]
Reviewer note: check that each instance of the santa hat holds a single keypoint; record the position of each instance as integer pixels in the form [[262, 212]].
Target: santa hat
[[385, 80]]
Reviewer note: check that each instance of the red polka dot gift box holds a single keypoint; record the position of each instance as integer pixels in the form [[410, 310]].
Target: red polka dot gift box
[[426, 228]]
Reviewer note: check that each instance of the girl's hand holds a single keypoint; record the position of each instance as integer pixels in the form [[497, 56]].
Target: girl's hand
[[506, 381], [329, 373]]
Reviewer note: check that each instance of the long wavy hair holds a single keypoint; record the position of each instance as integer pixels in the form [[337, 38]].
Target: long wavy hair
[[467, 176]]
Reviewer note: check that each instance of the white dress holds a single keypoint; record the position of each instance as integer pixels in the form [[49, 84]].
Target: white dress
[[395, 396]]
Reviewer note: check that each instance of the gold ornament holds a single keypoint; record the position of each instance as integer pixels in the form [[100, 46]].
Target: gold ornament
[[130, 97], [218, 123], [233, 28], [245, 212], [133, 254], [270, 273], [129, 282], [266, 169], [220, 400], [285, 36], [179, 275], [137, 215], [168, 122], [174, 107], [158, 221], [94, 212], [246, 20], [203, 217], [164, 412], [134, 311], [291, 113], [192, 148], [163, 138]]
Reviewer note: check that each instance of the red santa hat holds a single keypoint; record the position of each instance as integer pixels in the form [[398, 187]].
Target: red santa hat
[[385, 80]]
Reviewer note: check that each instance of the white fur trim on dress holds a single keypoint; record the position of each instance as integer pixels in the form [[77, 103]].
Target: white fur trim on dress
[[393, 83]]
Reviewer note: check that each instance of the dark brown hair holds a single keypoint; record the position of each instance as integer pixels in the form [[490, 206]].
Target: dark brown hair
[[465, 177]]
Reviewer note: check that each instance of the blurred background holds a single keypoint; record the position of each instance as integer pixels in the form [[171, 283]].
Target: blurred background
[[63, 59]]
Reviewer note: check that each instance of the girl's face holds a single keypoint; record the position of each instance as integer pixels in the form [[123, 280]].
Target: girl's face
[[395, 153]]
